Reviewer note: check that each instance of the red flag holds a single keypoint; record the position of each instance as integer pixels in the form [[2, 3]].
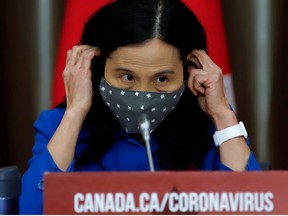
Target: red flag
[[77, 11], [76, 14]]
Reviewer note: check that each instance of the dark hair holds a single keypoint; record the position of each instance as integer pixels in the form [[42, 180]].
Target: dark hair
[[184, 134]]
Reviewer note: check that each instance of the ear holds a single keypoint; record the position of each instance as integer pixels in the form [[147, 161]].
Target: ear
[[193, 61]]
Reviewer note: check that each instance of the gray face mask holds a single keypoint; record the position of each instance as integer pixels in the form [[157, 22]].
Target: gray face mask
[[128, 105]]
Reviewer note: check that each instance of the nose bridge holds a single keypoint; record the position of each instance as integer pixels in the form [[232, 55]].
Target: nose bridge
[[144, 85]]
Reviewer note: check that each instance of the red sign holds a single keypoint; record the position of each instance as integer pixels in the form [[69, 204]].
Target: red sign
[[166, 193]]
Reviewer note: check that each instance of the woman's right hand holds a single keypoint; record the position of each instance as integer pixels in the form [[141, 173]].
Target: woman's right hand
[[77, 78], [78, 86]]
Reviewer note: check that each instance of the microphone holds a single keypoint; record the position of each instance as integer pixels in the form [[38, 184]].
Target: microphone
[[144, 125], [10, 190]]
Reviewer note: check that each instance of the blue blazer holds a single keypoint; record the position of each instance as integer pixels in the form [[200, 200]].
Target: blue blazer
[[126, 154]]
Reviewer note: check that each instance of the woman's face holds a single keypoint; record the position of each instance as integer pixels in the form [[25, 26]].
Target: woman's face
[[154, 66]]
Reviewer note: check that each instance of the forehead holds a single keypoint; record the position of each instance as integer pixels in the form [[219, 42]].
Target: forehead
[[151, 53]]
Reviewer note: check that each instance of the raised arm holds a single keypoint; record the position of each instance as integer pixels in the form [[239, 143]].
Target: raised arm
[[206, 82], [78, 87]]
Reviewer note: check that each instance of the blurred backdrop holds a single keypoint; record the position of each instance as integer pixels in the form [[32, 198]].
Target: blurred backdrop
[[257, 40]]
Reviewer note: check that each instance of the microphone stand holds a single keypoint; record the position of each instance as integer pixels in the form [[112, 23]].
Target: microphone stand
[[144, 125], [149, 154]]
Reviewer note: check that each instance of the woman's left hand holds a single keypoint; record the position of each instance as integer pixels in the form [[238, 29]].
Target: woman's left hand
[[206, 82]]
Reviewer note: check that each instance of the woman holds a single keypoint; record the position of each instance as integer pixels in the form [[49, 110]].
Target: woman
[[144, 56]]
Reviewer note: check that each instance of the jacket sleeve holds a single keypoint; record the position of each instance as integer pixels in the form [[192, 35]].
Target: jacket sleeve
[[31, 199]]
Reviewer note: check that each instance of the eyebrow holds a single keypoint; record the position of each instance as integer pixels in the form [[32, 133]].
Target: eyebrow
[[120, 69]]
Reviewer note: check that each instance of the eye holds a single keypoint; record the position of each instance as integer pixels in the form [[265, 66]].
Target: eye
[[161, 79], [128, 77]]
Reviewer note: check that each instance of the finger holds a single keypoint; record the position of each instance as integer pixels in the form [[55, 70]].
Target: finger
[[199, 84], [86, 57], [68, 56], [199, 80], [195, 61], [191, 81], [71, 59], [204, 60], [75, 53]]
